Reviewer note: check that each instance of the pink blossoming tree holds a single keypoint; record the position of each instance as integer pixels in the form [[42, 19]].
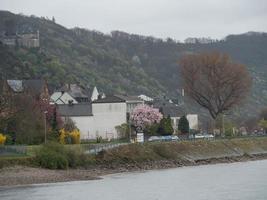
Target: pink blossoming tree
[[144, 116]]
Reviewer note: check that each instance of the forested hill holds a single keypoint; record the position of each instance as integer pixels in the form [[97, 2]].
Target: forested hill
[[121, 62]]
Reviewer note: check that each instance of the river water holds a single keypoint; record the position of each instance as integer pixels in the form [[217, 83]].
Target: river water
[[236, 181]]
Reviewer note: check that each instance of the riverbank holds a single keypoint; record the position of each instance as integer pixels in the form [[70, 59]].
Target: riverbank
[[138, 157]]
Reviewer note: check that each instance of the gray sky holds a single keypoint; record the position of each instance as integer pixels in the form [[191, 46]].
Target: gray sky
[[178, 19]]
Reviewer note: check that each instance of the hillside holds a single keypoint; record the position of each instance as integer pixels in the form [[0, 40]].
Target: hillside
[[121, 62]]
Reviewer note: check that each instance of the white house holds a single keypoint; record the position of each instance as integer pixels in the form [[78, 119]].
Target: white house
[[131, 102], [99, 118], [62, 98], [95, 94], [145, 98], [75, 94], [175, 112]]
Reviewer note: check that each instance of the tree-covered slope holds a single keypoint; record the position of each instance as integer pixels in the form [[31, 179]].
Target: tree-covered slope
[[121, 62]]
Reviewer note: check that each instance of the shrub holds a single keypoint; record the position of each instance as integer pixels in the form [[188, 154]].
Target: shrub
[[52, 156], [165, 126], [152, 130], [57, 156], [51, 160], [9, 140], [123, 130], [75, 136], [99, 139], [2, 139], [62, 136], [69, 125], [69, 137], [183, 125]]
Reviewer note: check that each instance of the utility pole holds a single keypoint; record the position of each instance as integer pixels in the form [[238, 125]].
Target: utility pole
[[223, 128], [45, 112], [130, 129]]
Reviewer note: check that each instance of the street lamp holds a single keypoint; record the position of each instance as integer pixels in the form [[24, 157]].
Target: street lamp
[[45, 112], [129, 121]]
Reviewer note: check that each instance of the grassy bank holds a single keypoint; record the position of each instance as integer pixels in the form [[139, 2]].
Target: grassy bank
[[184, 153], [188, 151]]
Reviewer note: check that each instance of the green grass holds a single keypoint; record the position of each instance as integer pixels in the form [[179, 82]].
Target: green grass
[[199, 149], [154, 151]]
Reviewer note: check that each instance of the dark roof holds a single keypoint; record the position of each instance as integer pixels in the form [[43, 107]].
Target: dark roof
[[110, 99], [172, 111], [34, 86], [118, 98], [128, 98], [168, 108], [75, 109], [76, 91]]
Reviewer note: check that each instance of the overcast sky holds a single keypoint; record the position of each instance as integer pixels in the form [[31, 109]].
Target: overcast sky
[[178, 19]]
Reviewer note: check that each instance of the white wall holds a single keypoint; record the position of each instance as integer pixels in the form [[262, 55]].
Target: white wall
[[94, 94], [131, 105], [175, 122], [193, 121], [85, 125], [106, 117]]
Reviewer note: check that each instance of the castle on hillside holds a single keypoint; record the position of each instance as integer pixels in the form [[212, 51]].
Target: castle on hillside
[[29, 40]]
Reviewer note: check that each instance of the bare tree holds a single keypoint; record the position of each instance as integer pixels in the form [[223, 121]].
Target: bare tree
[[214, 81], [7, 108]]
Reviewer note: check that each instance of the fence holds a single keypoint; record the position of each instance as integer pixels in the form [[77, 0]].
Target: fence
[[9, 150], [96, 148]]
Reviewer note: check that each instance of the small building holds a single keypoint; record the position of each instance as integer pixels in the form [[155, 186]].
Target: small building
[[29, 40], [81, 115], [175, 112], [131, 102], [62, 98], [80, 93], [145, 98], [100, 117], [36, 87]]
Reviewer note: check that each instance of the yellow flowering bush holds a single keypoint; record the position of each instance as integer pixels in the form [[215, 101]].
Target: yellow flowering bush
[[72, 137], [2, 139], [75, 136], [62, 136]]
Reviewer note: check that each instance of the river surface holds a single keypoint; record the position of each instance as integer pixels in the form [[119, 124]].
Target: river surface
[[236, 181]]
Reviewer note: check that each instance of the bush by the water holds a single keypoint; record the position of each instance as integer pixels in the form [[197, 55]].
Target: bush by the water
[[2, 139], [57, 156]]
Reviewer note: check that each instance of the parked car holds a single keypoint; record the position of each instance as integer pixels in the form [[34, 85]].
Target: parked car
[[175, 138], [199, 136], [154, 138], [208, 136], [163, 138], [166, 138]]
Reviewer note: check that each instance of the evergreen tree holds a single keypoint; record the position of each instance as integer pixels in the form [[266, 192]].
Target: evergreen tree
[[165, 126], [183, 125]]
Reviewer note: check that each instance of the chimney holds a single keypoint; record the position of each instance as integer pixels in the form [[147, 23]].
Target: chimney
[[70, 102]]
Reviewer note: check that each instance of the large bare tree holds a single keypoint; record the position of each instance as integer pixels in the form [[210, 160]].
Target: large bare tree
[[214, 81]]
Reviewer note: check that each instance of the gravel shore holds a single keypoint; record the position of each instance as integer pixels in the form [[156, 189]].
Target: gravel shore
[[21, 175]]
